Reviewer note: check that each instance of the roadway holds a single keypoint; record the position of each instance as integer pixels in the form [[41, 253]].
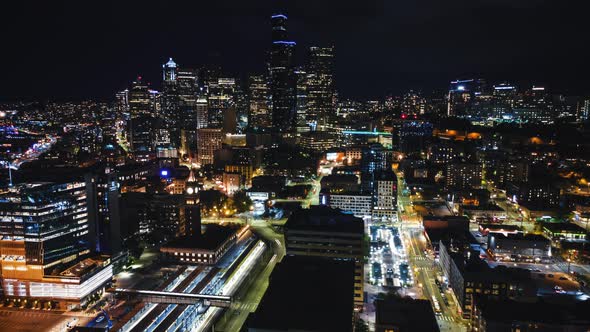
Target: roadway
[[426, 272]]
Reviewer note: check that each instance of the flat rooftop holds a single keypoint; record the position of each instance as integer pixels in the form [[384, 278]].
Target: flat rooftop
[[307, 294], [563, 227], [406, 313], [211, 239], [324, 218], [541, 312]]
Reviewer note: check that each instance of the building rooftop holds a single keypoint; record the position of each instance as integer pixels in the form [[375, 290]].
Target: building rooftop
[[560, 227], [406, 314], [521, 237], [324, 218], [541, 312], [294, 302], [499, 228], [211, 239]]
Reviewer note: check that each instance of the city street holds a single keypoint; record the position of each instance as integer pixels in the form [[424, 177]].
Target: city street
[[426, 272]]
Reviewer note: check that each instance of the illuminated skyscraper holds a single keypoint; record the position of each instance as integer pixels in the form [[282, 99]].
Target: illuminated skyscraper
[[139, 99], [282, 76], [462, 95], [187, 88], [259, 116], [45, 244], [320, 86], [301, 101], [169, 71], [221, 98]]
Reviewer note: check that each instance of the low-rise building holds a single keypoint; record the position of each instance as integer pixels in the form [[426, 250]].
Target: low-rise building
[[404, 315], [561, 230], [358, 204], [519, 247], [509, 315], [206, 248]]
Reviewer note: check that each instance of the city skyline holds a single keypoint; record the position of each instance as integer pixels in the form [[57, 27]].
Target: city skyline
[[282, 166], [382, 48]]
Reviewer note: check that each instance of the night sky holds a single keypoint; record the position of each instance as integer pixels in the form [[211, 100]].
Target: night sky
[[73, 49]]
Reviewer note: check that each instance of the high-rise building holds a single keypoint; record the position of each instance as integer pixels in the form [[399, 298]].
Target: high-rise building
[[142, 134], [462, 175], [301, 101], [187, 89], [414, 136], [533, 105], [102, 190], [320, 86], [462, 95], [259, 115], [122, 105], [44, 237], [221, 98], [584, 111], [202, 112], [169, 71], [208, 141], [330, 234], [503, 99], [385, 194], [139, 99], [282, 76]]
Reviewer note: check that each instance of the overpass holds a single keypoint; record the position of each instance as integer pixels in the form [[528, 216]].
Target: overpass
[[174, 297]]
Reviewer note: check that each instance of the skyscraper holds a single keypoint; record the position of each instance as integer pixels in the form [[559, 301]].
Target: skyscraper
[[139, 99], [462, 95], [44, 240], [301, 101], [221, 98], [282, 76], [169, 71], [259, 116], [320, 86]]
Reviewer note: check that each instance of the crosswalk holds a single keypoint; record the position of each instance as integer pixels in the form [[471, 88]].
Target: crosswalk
[[445, 318], [249, 306]]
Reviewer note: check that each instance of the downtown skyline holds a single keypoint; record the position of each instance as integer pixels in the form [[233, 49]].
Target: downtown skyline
[[382, 48]]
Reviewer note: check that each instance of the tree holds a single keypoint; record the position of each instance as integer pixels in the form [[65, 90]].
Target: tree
[[241, 202], [361, 326]]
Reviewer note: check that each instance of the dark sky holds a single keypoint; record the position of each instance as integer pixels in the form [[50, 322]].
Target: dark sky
[[77, 49]]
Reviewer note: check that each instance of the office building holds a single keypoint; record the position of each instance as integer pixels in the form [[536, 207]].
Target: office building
[[259, 114], [298, 279], [282, 76], [462, 175], [404, 315], [328, 233], [208, 141], [44, 245], [301, 101], [203, 248], [103, 193], [221, 99], [415, 136], [385, 194], [139, 99], [355, 203], [462, 96], [320, 87]]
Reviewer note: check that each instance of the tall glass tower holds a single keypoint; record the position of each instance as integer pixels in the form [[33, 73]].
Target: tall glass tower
[[282, 76]]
